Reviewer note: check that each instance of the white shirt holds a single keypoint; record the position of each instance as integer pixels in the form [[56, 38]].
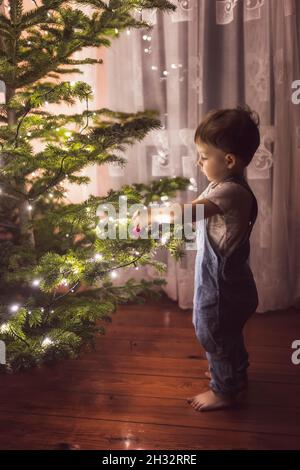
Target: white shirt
[[226, 230]]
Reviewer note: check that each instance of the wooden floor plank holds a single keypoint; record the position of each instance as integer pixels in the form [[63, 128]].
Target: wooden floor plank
[[36, 432], [163, 411], [131, 392], [176, 367], [140, 385]]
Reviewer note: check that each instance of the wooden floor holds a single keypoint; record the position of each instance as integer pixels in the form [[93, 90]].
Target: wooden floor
[[130, 393]]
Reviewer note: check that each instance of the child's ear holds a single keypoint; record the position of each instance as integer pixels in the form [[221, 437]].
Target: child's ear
[[230, 160]]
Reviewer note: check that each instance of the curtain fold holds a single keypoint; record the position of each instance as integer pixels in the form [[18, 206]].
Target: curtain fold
[[211, 54], [214, 54]]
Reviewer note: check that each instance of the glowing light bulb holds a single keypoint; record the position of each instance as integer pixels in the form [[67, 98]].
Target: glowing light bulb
[[113, 274], [164, 239], [163, 218], [47, 341], [98, 257], [14, 307], [36, 282]]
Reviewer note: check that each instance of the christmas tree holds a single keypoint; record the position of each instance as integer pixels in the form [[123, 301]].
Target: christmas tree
[[56, 273]]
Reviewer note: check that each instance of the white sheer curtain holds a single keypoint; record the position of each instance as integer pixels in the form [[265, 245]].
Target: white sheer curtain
[[213, 54], [95, 76], [151, 69]]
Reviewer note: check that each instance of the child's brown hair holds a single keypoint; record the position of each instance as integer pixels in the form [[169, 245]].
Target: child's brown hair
[[231, 130]]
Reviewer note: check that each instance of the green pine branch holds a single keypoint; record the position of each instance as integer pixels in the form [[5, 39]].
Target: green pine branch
[[55, 271]]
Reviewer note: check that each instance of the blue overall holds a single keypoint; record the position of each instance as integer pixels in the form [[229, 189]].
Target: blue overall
[[225, 296]]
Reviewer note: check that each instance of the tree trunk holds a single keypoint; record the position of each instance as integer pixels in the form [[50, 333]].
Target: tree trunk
[[25, 216]]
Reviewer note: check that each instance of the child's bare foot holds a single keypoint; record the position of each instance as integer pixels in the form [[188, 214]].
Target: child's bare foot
[[209, 401]]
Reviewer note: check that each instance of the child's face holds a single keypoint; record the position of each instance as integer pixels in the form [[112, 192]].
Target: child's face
[[213, 163]]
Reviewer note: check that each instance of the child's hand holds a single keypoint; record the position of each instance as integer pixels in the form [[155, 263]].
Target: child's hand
[[147, 217], [140, 218]]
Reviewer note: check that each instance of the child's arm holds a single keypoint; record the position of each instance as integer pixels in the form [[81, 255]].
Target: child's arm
[[166, 214], [210, 208]]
